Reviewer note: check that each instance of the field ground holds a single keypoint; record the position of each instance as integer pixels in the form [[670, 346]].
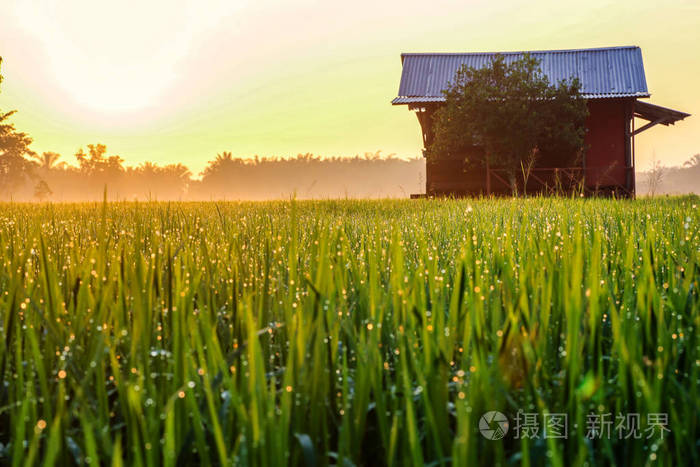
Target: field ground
[[350, 332]]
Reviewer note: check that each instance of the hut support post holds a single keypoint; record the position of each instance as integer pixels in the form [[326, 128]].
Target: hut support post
[[488, 178], [629, 166]]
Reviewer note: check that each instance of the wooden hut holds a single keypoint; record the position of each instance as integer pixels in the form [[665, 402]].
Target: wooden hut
[[612, 80]]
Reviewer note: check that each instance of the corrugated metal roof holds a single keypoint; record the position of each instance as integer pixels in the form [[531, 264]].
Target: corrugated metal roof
[[604, 73], [416, 100]]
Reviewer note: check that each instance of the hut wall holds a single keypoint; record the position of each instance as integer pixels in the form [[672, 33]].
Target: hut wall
[[452, 176], [607, 142]]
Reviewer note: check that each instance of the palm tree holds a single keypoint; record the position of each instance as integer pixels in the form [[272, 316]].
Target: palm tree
[[693, 161], [48, 161], [226, 156]]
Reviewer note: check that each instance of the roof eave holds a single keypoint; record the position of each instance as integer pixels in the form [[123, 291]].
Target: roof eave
[[658, 114], [407, 100]]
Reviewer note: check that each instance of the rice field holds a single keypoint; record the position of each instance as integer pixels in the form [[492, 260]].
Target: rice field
[[350, 333]]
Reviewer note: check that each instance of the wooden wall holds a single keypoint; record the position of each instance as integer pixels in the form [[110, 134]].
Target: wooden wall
[[453, 176], [608, 142]]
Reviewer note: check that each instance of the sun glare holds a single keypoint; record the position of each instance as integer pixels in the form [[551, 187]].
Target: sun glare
[[118, 56]]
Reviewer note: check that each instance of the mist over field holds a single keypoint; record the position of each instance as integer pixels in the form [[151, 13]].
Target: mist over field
[[673, 180], [306, 176]]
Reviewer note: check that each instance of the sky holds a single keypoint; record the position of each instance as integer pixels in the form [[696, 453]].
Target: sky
[[180, 81]]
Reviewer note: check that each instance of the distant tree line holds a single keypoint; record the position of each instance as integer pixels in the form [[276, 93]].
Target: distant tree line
[[47, 177]]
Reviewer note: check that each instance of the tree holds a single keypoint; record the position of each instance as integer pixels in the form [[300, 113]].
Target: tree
[[42, 190], [170, 181], [693, 161], [655, 175], [96, 163], [15, 169], [101, 172], [48, 161], [512, 113]]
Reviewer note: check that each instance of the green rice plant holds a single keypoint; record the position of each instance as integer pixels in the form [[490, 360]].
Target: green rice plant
[[349, 332]]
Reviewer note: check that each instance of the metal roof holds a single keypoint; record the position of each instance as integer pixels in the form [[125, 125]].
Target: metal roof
[[604, 73]]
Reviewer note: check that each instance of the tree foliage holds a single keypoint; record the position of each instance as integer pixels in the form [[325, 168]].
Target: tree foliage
[[48, 161], [15, 169], [693, 162], [42, 190], [512, 112]]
